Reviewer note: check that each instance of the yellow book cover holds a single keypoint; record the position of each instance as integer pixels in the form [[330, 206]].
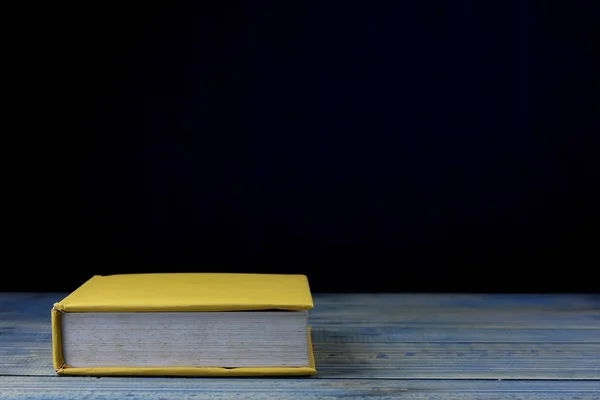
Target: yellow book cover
[[185, 324]]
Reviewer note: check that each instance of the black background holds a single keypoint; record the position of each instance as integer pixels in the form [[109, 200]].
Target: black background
[[374, 146]]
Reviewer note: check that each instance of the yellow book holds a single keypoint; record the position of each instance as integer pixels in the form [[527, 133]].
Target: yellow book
[[185, 324]]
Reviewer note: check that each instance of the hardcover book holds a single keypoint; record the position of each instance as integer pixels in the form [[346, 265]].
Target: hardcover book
[[185, 324]]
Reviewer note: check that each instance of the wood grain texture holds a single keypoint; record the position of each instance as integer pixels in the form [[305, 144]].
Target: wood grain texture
[[65, 388], [366, 346]]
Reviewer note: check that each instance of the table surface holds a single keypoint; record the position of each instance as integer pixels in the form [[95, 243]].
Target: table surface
[[367, 346]]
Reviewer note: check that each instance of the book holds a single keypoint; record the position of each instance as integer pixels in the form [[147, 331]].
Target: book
[[185, 324]]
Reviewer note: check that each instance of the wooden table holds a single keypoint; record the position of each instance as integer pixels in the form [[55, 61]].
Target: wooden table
[[367, 346]]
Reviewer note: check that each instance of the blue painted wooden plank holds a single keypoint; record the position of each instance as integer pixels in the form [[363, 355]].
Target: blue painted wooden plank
[[566, 301], [342, 334], [305, 388], [459, 360], [360, 316]]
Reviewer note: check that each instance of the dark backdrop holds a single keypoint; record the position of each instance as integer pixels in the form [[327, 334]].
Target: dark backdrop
[[374, 146]]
